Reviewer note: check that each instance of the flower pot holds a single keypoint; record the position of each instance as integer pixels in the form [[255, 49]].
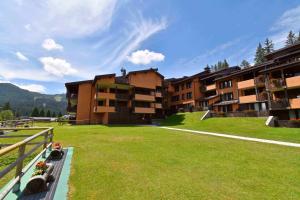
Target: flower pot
[[56, 154], [38, 183]]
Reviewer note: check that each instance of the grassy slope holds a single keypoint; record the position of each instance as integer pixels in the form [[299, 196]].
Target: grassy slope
[[150, 163], [252, 127]]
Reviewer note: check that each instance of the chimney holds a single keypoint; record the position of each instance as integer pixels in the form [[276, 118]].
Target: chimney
[[123, 71]]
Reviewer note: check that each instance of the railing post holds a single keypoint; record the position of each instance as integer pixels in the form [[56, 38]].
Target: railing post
[[51, 138], [19, 168], [45, 143]]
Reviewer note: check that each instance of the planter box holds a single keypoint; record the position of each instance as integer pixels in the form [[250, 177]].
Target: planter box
[[38, 183]]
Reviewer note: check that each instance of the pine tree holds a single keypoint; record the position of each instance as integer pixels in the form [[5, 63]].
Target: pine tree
[[35, 112], [6, 106], [48, 113], [225, 64], [269, 46], [259, 55], [245, 64], [291, 39], [42, 113]]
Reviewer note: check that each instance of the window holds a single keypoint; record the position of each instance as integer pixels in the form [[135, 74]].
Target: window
[[175, 98], [176, 88], [225, 84], [182, 87], [111, 103], [182, 97], [101, 103], [188, 85], [189, 95], [227, 96]]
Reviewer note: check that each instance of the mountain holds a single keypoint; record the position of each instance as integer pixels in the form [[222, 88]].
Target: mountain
[[23, 101]]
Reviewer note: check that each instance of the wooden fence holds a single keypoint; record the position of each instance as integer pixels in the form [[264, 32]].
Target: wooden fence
[[46, 143]]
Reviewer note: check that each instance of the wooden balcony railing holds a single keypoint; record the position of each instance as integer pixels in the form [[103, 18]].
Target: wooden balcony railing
[[144, 110], [293, 82], [246, 84], [295, 103], [104, 109], [143, 97], [105, 95], [247, 99], [46, 134], [279, 104], [211, 87], [277, 84]]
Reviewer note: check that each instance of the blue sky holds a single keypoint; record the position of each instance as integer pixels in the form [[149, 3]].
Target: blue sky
[[44, 44]]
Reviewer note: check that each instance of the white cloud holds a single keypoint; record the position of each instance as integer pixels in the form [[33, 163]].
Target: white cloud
[[145, 57], [289, 20], [21, 56], [58, 67], [50, 44], [32, 87], [140, 30]]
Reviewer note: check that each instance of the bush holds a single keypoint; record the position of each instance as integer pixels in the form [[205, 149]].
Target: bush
[[6, 115]]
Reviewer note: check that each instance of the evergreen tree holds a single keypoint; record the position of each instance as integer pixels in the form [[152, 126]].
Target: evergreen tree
[[219, 65], [53, 114], [225, 64], [42, 113], [48, 113], [291, 39], [269, 46], [35, 112], [59, 114], [6, 106], [259, 55], [245, 64]]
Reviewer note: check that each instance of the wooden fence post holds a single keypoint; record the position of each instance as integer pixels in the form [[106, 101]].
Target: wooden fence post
[[45, 143], [19, 168]]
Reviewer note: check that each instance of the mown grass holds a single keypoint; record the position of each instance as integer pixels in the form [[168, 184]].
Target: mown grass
[[129, 162], [151, 163], [244, 126]]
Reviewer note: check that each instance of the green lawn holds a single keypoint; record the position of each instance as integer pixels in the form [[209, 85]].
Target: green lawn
[[244, 126], [135, 162]]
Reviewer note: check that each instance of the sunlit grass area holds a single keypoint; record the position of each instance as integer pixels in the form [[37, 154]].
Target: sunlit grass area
[[244, 126], [136, 162]]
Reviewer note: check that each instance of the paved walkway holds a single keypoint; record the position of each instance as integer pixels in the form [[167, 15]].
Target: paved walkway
[[290, 144]]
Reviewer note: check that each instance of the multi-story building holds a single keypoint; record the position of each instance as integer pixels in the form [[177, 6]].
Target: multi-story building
[[135, 97], [272, 87], [283, 82]]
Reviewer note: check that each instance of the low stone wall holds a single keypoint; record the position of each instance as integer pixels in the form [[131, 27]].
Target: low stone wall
[[241, 114], [288, 123]]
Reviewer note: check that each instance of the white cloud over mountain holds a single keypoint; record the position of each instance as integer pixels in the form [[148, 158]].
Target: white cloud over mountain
[[57, 67], [145, 57]]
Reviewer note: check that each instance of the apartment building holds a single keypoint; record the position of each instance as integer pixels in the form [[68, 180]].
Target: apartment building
[[184, 93], [283, 82], [135, 97], [272, 87]]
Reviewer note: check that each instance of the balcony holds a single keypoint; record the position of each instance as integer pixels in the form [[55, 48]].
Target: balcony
[[293, 82], [210, 87], [158, 105], [104, 109], [279, 104], [120, 96], [260, 81], [144, 110], [122, 109], [295, 103], [263, 96], [143, 97], [105, 95], [277, 84], [158, 94], [248, 99], [246, 84]]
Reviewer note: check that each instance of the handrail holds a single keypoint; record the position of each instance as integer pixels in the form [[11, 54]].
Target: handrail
[[22, 155], [18, 144]]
